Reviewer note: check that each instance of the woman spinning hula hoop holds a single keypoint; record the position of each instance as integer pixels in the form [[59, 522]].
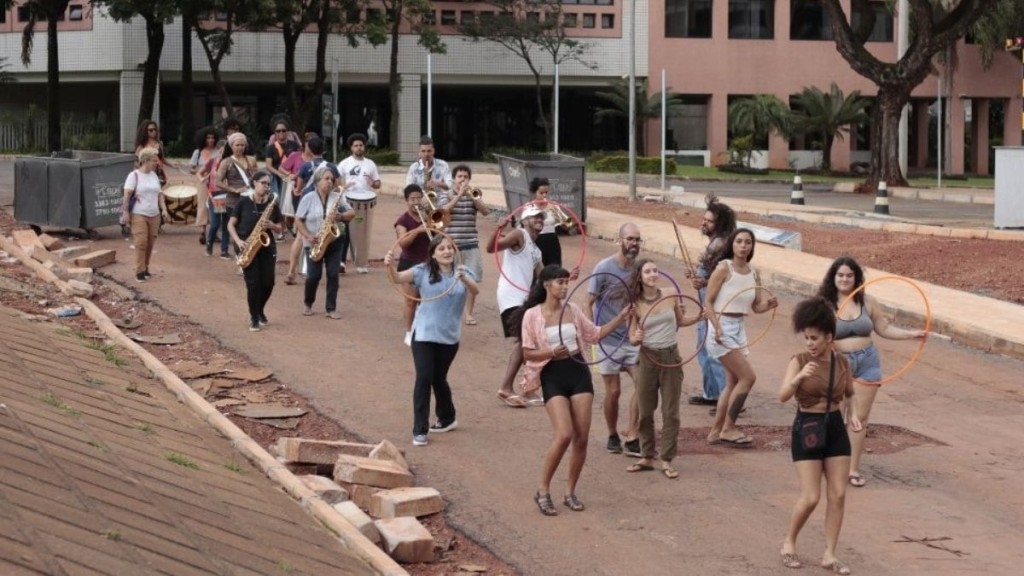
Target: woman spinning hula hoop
[[653, 327], [436, 330], [853, 340], [732, 294], [566, 383]]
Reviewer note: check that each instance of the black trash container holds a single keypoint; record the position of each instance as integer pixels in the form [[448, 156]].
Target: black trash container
[[566, 174], [72, 189]]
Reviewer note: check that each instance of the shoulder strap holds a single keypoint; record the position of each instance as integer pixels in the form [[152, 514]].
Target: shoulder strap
[[245, 177], [831, 381]]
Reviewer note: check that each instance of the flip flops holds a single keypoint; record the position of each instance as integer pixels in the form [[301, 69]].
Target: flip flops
[[534, 401], [470, 321], [638, 467], [742, 441], [837, 567], [511, 400], [791, 560], [857, 480]]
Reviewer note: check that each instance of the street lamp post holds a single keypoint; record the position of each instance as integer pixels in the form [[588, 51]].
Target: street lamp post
[[632, 101]]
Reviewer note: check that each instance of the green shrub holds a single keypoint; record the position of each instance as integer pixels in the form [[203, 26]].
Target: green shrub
[[644, 165], [383, 156]]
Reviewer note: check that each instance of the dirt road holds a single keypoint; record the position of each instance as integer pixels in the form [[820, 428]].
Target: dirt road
[[726, 514]]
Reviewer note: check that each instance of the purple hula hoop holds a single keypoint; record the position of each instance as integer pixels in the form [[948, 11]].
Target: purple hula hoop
[[568, 298], [600, 304]]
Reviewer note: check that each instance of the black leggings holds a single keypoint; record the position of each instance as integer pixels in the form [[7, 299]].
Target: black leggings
[[550, 249], [432, 361], [259, 280], [837, 441]]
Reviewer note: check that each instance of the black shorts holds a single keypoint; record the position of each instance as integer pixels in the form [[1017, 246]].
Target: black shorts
[[565, 377], [506, 320], [837, 441]]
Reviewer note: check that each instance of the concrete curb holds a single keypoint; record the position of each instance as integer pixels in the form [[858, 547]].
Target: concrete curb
[[956, 195], [349, 536]]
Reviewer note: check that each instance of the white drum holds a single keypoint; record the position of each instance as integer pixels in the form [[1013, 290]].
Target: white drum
[[287, 208], [181, 203]]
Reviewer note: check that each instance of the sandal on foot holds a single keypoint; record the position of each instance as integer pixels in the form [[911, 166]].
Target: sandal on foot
[[573, 503], [837, 567], [791, 560], [289, 279], [543, 501], [669, 472], [511, 400], [307, 311], [638, 467], [741, 441], [470, 321], [857, 480]]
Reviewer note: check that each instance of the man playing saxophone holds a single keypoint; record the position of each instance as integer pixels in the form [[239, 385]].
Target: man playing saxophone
[[316, 220], [256, 219]]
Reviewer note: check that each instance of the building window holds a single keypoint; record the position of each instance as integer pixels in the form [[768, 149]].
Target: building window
[[448, 17], [533, 17], [75, 12], [569, 20], [752, 19], [688, 18], [353, 15], [467, 17], [588, 20], [688, 130], [808, 21], [374, 15], [607, 20], [430, 18], [877, 16], [605, 3]]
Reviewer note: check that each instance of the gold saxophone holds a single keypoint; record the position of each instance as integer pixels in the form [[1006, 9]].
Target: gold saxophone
[[258, 238], [328, 232]]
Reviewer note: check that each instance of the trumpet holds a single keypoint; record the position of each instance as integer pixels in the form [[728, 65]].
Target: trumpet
[[561, 217], [436, 218], [476, 193]]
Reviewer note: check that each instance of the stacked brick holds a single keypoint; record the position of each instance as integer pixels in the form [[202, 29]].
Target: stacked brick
[[370, 485], [72, 266]]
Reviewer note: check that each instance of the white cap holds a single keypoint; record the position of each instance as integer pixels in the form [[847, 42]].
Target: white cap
[[532, 210]]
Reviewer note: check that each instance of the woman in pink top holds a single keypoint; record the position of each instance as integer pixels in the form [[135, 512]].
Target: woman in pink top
[[554, 364], [730, 298]]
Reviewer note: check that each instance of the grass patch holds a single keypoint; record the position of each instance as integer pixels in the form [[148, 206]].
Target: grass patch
[[99, 446], [284, 566], [234, 467], [714, 174], [145, 427], [109, 352], [94, 382], [182, 460], [55, 401], [111, 534]]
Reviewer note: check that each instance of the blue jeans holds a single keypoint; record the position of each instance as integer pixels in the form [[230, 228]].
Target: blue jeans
[[218, 222], [711, 369]]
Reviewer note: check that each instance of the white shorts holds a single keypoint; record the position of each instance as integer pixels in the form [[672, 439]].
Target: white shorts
[[472, 259], [734, 337], [626, 356]]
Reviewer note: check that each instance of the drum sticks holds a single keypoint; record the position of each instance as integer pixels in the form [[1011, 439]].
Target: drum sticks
[[690, 269]]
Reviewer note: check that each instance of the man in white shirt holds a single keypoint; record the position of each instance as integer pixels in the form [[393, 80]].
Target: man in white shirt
[[360, 181], [431, 174]]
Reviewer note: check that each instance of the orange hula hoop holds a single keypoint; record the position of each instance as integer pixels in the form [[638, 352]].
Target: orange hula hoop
[[391, 274], [766, 328], [927, 323]]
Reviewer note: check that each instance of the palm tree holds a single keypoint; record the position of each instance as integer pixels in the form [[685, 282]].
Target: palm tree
[[647, 108], [828, 115], [759, 116]]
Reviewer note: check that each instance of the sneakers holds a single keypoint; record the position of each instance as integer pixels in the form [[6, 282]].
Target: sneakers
[[209, 250], [341, 269], [224, 256], [614, 444], [254, 326], [263, 320], [439, 428], [701, 401], [420, 440], [141, 277], [632, 448], [147, 274]]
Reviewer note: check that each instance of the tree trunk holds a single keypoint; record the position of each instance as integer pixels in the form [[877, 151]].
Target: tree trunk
[[395, 92], [826, 151], [291, 102], [885, 121], [52, 85], [155, 45], [540, 110], [188, 122], [312, 103], [221, 88]]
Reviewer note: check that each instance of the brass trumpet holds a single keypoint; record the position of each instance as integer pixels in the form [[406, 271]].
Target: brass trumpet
[[562, 218], [436, 218], [476, 193]]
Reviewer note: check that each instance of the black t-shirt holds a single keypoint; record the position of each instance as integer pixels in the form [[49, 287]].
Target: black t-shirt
[[275, 157], [249, 212]]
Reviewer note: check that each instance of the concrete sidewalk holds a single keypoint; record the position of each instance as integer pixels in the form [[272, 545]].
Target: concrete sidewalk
[[976, 321]]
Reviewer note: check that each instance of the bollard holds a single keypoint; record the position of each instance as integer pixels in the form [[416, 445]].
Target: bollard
[[797, 197], [882, 199]]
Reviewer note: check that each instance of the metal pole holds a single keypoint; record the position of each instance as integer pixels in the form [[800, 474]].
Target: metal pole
[[940, 120], [556, 110], [430, 96], [334, 109], [632, 102], [902, 38], [664, 127]]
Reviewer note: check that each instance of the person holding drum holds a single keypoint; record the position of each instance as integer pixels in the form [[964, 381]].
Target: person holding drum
[[310, 216], [733, 292], [206, 153], [360, 182], [859, 317], [553, 333], [443, 285], [234, 178], [144, 203], [653, 327]]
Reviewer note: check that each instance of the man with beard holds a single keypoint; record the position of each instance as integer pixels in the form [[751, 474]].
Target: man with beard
[[607, 296], [718, 224], [359, 180]]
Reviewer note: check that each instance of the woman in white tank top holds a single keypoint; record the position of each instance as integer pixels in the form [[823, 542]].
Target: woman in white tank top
[[730, 298]]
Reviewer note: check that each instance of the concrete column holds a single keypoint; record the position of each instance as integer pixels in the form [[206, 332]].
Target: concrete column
[[718, 127], [956, 136], [408, 145], [130, 97], [1012, 122], [979, 136], [923, 121], [778, 152]]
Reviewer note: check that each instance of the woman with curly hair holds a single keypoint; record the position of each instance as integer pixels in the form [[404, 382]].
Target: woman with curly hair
[[555, 365], [822, 383], [148, 136], [857, 320]]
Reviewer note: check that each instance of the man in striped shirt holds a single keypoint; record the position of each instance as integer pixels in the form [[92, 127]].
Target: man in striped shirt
[[463, 208]]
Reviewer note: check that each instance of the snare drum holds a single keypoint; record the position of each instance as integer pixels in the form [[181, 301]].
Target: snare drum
[[181, 203], [286, 205]]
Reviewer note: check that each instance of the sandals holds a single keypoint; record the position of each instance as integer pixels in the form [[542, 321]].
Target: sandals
[[573, 503], [290, 280], [857, 480], [511, 400], [669, 472], [470, 321], [837, 567], [638, 467], [791, 560], [547, 507]]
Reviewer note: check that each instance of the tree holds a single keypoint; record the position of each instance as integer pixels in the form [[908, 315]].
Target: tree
[[760, 116], [524, 27], [156, 14], [414, 14], [52, 11], [648, 107], [5, 75], [934, 29], [828, 115], [1005, 20]]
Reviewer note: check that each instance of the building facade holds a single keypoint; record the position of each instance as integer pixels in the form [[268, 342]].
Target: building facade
[[483, 96]]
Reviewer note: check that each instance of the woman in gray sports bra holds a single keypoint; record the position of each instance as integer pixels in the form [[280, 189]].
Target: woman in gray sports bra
[[854, 326]]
